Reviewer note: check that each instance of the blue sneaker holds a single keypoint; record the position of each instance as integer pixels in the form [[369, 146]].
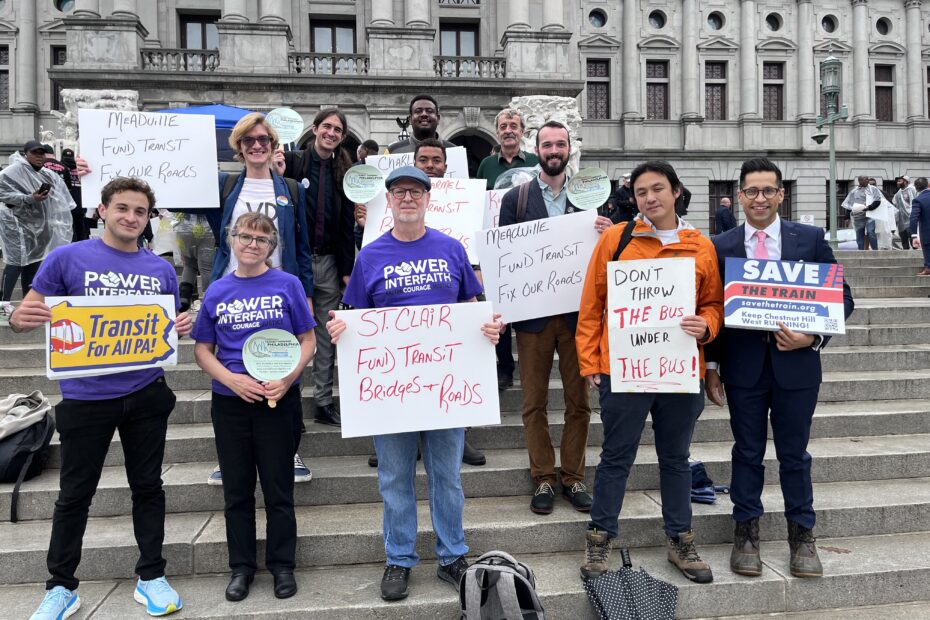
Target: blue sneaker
[[58, 604], [302, 473], [159, 598], [216, 478]]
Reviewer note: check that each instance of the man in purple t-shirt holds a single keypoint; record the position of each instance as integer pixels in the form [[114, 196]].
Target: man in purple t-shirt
[[412, 265], [136, 402]]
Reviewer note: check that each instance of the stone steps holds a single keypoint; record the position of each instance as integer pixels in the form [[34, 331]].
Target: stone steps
[[866, 570], [894, 611], [349, 479], [868, 292]]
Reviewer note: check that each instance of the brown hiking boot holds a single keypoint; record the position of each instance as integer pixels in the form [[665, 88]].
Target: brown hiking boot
[[596, 554], [681, 553], [804, 559], [745, 558]]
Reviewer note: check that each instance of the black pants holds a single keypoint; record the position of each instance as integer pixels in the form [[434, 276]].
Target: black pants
[[86, 428], [13, 272], [504, 349], [250, 436]]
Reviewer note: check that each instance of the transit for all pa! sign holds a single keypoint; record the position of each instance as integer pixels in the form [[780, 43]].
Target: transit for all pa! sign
[[416, 368], [91, 336], [646, 300], [806, 297]]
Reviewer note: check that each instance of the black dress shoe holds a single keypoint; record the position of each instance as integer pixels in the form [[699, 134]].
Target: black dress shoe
[[285, 586], [504, 380], [327, 414], [471, 456], [238, 587]]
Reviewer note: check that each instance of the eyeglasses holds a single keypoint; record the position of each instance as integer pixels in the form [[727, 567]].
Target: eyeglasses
[[399, 193], [752, 192], [248, 141], [246, 240]]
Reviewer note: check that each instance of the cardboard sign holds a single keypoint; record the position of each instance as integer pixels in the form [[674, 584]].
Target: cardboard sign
[[806, 297], [416, 368], [92, 336], [536, 269], [174, 153], [492, 207], [649, 352], [456, 162], [456, 208]]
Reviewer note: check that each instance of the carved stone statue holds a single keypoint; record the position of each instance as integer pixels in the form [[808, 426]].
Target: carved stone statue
[[537, 109], [76, 99]]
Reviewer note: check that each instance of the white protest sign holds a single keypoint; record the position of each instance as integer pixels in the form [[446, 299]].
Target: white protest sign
[[649, 352], [456, 208], [536, 269], [174, 153], [492, 207], [416, 368], [456, 162]]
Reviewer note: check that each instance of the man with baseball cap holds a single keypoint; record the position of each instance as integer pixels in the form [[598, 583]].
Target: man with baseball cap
[[447, 278], [902, 209]]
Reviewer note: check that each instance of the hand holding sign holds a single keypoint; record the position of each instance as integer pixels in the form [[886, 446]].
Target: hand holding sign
[[270, 355]]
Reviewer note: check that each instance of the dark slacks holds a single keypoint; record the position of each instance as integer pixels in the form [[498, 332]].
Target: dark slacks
[[623, 417], [791, 412], [504, 349], [86, 428], [252, 436], [536, 353]]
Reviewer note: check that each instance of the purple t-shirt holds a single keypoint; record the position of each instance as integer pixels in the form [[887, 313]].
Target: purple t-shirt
[[434, 269], [93, 268], [234, 308]]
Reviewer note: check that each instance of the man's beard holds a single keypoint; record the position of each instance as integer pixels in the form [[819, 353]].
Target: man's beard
[[554, 171]]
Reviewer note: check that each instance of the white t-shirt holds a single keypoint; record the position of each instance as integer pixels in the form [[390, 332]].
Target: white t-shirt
[[256, 195]]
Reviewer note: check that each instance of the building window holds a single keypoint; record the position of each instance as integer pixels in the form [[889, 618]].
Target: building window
[[657, 20], [332, 37], [774, 22], [598, 89], [657, 89], [4, 77], [842, 215], [715, 90], [59, 55], [829, 24], [773, 91], [884, 92], [715, 20], [198, 32], [597, 18], [784, 210], [718, 191], [839, 96], [883, 26], [458, 40]]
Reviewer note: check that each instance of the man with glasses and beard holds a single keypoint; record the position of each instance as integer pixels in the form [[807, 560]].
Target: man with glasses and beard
[[539, 339]]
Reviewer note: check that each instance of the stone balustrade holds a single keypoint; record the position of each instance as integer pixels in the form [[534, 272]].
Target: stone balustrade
[[328, 64], [166, 59], [470, 67]]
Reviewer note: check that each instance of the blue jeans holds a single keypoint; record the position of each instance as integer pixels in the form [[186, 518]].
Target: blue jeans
[[623, 417], [865, 226], [397, 463]]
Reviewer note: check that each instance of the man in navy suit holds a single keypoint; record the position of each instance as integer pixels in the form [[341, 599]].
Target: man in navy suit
[[770, 375], [920, 222], [724, 219]]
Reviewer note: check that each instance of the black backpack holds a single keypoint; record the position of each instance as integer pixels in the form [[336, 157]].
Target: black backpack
[[23, 456], [498, 587]]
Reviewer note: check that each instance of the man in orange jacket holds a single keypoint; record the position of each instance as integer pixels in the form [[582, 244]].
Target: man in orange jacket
[[658, 233]]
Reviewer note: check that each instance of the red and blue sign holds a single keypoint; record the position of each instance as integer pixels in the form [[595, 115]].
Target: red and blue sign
[[806, 297]]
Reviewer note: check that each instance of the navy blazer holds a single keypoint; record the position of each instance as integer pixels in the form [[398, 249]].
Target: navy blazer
[[724, 220], [535, 210], [920, 216], [741, 352]]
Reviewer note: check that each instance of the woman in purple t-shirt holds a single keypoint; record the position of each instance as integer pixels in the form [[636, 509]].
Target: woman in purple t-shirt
[[249, 434]]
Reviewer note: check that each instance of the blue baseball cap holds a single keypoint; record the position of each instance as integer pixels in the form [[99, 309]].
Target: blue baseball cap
[[409, 173]]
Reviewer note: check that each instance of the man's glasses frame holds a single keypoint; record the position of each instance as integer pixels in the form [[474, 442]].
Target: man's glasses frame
[[752, 192]]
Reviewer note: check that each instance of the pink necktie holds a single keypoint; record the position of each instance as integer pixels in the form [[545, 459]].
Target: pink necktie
[[761, 251]]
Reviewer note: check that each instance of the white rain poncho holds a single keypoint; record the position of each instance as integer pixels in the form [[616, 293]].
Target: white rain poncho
[[30, 229]]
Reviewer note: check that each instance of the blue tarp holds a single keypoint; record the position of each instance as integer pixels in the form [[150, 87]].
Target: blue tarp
[[226, 118]]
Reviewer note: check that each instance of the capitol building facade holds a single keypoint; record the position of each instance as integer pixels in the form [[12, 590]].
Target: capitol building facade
[[703, 84]]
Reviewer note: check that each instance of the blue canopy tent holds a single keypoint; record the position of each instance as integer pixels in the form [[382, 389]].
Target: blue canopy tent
[[226, 118]]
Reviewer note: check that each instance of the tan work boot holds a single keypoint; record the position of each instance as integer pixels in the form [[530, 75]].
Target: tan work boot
[[596, 554], [681, 553], [745, 558], [804, 559]]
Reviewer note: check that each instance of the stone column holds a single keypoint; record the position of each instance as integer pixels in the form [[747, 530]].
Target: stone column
[[86, 8], [689, 60], [915, 99], [272, 12], [807, 99], [748, 72], [518, 15], [235, 11], [862, 99], [552, 15], [631, 69], [126, 9], [416, 13], [26, 58], [382, 12], [163, 22]]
